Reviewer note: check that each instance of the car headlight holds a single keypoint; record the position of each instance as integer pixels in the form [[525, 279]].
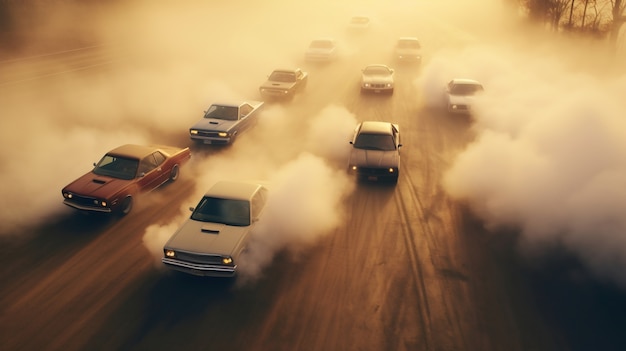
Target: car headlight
[[169, 253], [100, 203], [227, 260], [222, 134], [389, 85], [67, 195], [391, 170], [354, 168], [193, 132], [367, 85]]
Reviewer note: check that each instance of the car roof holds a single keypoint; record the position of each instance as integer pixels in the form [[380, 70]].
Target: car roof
[[465, 81], [288, 70], [377, 65], [408, 39], [375, 127], [229, 103], [235, 190], [133, 151]]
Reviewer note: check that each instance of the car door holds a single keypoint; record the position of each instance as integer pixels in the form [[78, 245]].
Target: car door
[[151, 172], [246, 116]]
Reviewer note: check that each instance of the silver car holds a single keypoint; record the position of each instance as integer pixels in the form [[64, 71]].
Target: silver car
[[377, 79], [212, 240], [375, 153], [459, 95]]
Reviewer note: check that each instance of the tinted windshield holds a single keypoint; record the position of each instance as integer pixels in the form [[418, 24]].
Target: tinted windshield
[[216, 210], [117, 167], [374, 142], [285, 77], [409, 44], [229, 113], [322, 44], [376, 70], [465, 89]]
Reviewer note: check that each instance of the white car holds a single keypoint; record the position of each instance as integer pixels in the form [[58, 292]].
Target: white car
[[375, 153], [377, 79], [359, 23], [322, 49], [212, 240], [408, 49], [459, 95]]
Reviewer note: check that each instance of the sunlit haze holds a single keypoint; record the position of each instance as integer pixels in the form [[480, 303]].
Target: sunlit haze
[[548, 158]]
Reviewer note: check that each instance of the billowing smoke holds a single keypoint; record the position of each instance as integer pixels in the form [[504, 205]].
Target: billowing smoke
[[549, 155], [305, 172]]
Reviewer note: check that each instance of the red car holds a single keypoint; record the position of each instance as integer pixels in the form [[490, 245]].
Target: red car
[[122, 174]]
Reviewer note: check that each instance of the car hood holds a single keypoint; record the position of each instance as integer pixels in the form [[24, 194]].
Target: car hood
[[93, 185], [319, 51], [408, 52], [220, 125], [207, 238], [374, 158], [277, 85], [377, 79], [461, 99]]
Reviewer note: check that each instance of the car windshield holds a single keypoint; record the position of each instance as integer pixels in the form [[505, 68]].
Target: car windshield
[[360, 20], [117, 167], [374, 142], [286, 77], [225, 211], [466, 89], [322, 44], [376, 71], [408, 44], [229, 113]]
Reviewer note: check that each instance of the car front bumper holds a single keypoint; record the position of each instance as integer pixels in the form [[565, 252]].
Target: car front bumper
[[83, 207], [211, 140], [199, 269]]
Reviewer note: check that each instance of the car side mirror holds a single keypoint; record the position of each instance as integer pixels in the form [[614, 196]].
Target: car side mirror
[[351, 142], [191, 209], [399, 145], [95, 165]]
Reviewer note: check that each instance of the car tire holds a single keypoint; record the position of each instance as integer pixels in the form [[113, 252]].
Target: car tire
[[126, 206], [174, 173]]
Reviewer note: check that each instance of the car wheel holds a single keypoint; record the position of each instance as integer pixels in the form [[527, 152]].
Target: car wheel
[[127, 205], [174, 173]]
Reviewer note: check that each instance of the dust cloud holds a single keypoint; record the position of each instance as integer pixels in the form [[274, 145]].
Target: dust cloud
[[548, 155], [548, 159], [307, 183]]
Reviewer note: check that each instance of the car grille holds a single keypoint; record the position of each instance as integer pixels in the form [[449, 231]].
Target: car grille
[[366, 171], [198, 258], [206, 133], [378, 85], [83, 201]]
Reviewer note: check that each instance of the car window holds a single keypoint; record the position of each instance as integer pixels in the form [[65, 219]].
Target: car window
[[465, 89], [246, 109], [409, 44], [148, 164], [322, 44], [225, 211], [229, 113], [286, 77], [376, 70], [372, 141], [117, 167], [158, 157], [258, 202]]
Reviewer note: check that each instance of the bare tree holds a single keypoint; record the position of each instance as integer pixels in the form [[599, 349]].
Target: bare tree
[[618, 20]]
